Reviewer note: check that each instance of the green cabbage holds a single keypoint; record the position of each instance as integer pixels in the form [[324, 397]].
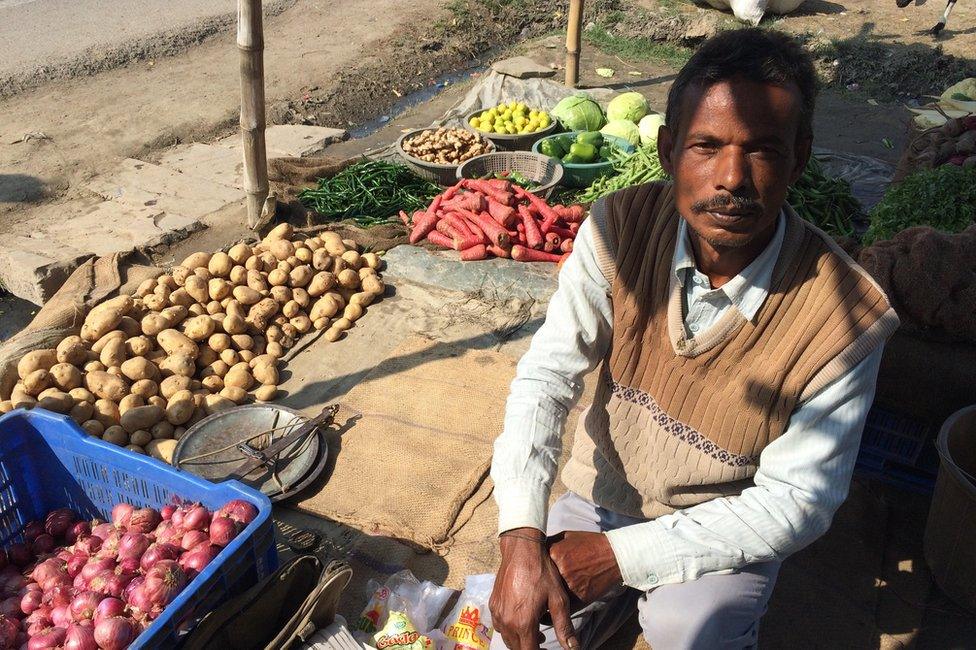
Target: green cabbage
[[623, 129], [579, 113], [966, 88], [648, 127], [628, 106]]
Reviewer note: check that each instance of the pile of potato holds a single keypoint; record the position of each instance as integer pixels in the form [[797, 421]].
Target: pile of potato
[[205, 337]]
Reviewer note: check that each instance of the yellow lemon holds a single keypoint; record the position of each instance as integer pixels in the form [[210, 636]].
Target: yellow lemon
[[500, 129]]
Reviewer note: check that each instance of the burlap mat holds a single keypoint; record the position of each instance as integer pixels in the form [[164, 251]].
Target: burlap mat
[[418, 442]]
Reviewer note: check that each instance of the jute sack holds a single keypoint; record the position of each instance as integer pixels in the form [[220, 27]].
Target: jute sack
[[417, 443]]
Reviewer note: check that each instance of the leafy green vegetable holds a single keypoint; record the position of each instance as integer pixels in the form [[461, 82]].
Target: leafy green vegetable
[[623, 129], [579, 113], [943, 198], [824, 201], [630, 106], [639, 167], [370, 193]]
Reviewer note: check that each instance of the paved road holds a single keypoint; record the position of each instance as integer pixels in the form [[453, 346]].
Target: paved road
[[41, 39]]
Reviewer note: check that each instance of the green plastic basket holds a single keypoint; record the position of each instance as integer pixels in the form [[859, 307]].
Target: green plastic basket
[[581, 175]]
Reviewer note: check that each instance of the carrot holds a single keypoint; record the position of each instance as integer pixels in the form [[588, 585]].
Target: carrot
[[549, 215], [475, 230], [499, 183], [461, 237], [496, 234], [503, 214], [405, 218], [503, 197], [574, 228], [523, 254], [498, 251], [570, 214], [440, 239], [477, 252], [467, 201], [566, 246], [564, 233], [533, 238], [449, 193], [425, 224]]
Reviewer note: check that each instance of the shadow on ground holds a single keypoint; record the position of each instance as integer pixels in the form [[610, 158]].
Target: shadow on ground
[[21, 188]]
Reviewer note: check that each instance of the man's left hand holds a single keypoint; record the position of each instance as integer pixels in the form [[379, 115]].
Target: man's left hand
[[586, 563]]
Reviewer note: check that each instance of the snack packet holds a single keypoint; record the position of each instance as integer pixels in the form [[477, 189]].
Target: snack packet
[[399, 632], [468, 626]]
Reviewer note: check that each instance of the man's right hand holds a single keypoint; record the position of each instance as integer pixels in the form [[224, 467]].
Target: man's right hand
[[527, 585]]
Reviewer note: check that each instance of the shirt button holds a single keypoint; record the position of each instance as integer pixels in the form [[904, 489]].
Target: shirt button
[[694, 327], [652, 579]]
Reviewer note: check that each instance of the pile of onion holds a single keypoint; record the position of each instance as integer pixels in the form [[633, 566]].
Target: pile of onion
[[96, 585]]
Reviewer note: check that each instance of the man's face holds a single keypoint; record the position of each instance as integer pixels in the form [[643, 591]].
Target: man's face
[[733, 157]]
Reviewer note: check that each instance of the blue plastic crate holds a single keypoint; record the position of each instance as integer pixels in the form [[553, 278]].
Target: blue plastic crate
[[48, 462], [898, 450]]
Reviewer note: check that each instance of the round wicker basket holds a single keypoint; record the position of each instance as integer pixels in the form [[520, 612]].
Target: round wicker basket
[[510, 141], [541, 169], [443, 174]]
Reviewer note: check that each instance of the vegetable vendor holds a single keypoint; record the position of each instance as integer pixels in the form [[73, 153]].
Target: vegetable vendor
[[738, 349]]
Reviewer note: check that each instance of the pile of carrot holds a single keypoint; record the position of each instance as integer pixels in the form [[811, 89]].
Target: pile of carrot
[[496, 217]]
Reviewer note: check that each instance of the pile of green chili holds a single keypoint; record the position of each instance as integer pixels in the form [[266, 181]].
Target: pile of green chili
[[370, 193], [825, 202]]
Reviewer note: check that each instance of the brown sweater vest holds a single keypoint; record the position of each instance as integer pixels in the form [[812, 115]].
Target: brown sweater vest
[[675, 421]]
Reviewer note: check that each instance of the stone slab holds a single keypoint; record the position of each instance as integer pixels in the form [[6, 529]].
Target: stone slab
[[140, 184], [292, 140], [522, 67], [34, 268], [218, 164]]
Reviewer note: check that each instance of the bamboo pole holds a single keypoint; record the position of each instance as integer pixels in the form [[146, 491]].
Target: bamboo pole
[[250, 43], [573, 31]]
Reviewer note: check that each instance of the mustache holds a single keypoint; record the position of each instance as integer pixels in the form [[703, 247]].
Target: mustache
[[727, 203]]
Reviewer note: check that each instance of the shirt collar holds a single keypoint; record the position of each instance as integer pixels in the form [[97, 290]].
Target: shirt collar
[[748, 290]]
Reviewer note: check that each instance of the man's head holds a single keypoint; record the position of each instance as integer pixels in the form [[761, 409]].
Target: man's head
[[739, 131]]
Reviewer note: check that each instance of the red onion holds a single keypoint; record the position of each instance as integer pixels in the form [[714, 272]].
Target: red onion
[[32, 530], [110, 545], [163, 582], [177, 517], [80, 637], [132, 586], [239, 510], [96, 566], [83, 605], [158, 552], [223, 530], [20, 554], [109, 607], [79, 583], [115, 632], [48, 569], [128, 565], [196, 518], [8, 632], [103, 530], [11, 607], [88, 545], [143, 520], [133, 545], [59, 521], [121, 513], [194, 538], [77, 562], [118, 582], [43, 544], [59, 596], [64, 554], [167, 533], [52, 637], [11, 581], [61, 616], [197, 558], [166, 512], [77, 530], [39, 620], [30, 601], [139, 602]]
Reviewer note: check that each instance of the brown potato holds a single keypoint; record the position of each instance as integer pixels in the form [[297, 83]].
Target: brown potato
[[260, 315], [138, 440], [155, 302], [181, 297], [348, 279], [219, 342], [229, 357], [130, 326], [322, 323], [332, 242], [372, 260], [238, 275], [217, 403], [239, 376], [239, 253], [106, 386], [214, 307], [180, 407], [66, 376], [198, 328], [301, 323], [196, 260], [342, 324], [234, 394], [234, 324], [177, 364], [196, 309], [145, 288], [81, 412], [265, 373], [72, 350], [257, 281], [325, 307], [99, 345], [213, 383], [36, 360], [278, 277], [321, 260], [130, 402], [282, 249], [291, 309], [242, 342], [141, 418], [103, 318], [266, 393], [94, 366], [145, 388], [374, 285], [352, 312], [220, 265], [362, 299], [218, 288], [113, 354], [55, 400], [303, 254], [332, 334], [352, 259], [93, 428], [37, 382], [246, 355], [246, 295], [180, 274], [82, 395], [116, 435], [162, 430], [197, 287], [138, 346], [139, 368], [281, 295], [281, 231], [300, 276], [253, 263], [321, 282], [274, 350], [156, 400], [301, 296], [107, 412]]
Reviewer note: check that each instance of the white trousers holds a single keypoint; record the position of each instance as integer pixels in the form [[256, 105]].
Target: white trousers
[[715, 612]]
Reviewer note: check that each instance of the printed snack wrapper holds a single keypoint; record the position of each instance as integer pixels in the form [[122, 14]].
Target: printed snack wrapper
[[420, 602], [468, 626], [399, 632]]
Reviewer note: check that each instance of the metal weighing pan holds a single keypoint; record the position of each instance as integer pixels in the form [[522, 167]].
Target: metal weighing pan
[[211, 449]]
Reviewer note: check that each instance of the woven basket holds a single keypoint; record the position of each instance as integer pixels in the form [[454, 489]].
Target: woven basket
[[442, 174], [541, 169], [510, 141]]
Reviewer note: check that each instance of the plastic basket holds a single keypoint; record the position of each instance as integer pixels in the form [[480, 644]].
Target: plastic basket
[[898, 450], [581, 175], [511, 141], [541, 169], [48, 462], [442, 174]]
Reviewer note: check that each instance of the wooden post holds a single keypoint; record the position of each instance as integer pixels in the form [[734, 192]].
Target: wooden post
[[250, 43], [573, 31]]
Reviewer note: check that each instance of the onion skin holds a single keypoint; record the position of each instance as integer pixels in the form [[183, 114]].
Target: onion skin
[[80, 637], [166, 512], [89, 545], [96, 566], [76, 531], [83, 606], [121, 513], [52, 637], [143, 520], [8, 632], [59, 521], [109, 607], [196, 518], [115, 632], [61, 617], [195, 560], [163, 581], [133, 545], [30, 602], [238, 510], [193, 539], [223, 530], [158, 552], [102, 531]]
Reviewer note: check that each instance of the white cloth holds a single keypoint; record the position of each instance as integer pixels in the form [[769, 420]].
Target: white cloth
[[803, 476]]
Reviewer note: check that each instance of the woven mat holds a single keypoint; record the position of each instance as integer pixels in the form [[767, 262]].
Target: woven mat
[[417, 445]]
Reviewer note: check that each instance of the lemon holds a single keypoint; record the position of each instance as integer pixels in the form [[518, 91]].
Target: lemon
[[544, 121], [533, 125], [511, 129], [500, 129], [475, 122], [491, 114]]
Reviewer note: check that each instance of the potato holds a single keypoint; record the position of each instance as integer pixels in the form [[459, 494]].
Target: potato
[[130, 326], [265, 373], [332, 242], [239, 253], [36, 360], [116, 435], [214, 307], [239, 376], [266, 393], [234, 394], [198, 398], [145, 288], [177, 364], [229, 357], [291, 309], [81, 412], [56, 400], [22, 400], [242, 342], [145, 388], [281, 295], [260, 315], [218, 288], [313, 243], [139, 368], [322, 323], [278, 277], [282, 249], [274, 333], [100, 344], [198, 328], [82, 395], [274, 350], [234, 324], [107, 412], [175, 314], [342, 324], [135, 449], [289, 330], [301, 323], [303, 254], [293, 262], [372, 260], [106, 386], [253, 263], [246, 295], [260, 344], [321, 282], [180, 407], [153, 324], [238, 275], [352, 259], [220, 265], [115, 370], [130, 402], [257, 281], [37, 382], [196, 260], [113, 354], [138, 346], [281, 231], [66, 376], [333, 334], [178, 432], [180, 274], [219, 342], [374, 285], [156, 400], [197, 287], [162, 430], [155, 302], [93, 428], [6, 406], [103, 318], [196, 309], [213, 383], [352, 312], [301, 296], [139, 439], [71, 350], [156, 355], [363, 272], [348, 279], [321, 260], [325, 307], [246, 355], [217, 403], [161, 450], [94, 366], [362, 299], [300, 276]]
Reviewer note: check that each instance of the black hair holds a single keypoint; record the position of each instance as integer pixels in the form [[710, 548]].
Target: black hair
[[755, 54]]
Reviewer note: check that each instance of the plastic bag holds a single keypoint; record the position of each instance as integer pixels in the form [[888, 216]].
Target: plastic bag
[[468, 626], [421, 602], [400, 630]]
